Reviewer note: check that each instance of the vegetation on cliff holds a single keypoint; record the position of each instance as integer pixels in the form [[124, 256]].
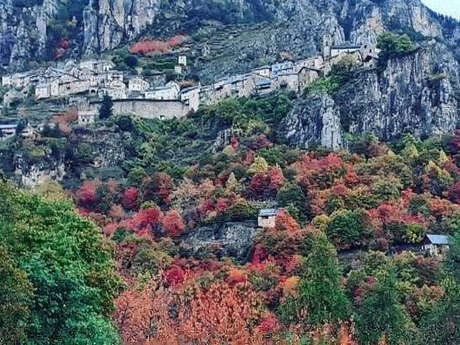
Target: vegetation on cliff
[[324, 273]]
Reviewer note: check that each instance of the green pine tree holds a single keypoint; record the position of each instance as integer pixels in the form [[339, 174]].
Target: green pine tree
[[106, 109]]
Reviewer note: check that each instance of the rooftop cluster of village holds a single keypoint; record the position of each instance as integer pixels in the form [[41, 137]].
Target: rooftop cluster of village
[[84, 84]]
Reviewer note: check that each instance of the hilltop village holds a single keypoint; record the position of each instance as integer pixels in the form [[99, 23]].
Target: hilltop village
[[84, 84]]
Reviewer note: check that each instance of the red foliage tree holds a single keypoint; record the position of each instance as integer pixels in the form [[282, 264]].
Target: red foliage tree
[[175, 276], [163, 186], [144, 221], [157, 46], [276, 178], [266, 184], [173, 223], [63, 120], [259, 186], [454, 193], [284, 222], [143, 317], [235, 143], [236, 276], [130, 199], [222, 204], [269, 324], [87, 194]]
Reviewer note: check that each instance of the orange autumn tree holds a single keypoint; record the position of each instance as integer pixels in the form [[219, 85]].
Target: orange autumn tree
[[222, 315], [218, 315], [173, 223], [143, 316]]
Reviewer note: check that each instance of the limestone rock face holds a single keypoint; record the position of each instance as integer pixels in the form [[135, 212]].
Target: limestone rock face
[[31, 175], [299, 27], [229, 239], [23, 32], [107, 152], [418, 93], [315, 120]]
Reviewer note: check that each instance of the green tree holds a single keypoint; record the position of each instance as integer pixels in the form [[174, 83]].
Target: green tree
[[452, 263], [321, 296], [441, 326], [392, 44], [106, 109], [348, 228], [15, 299], [131, 61], [382, 316], [293, 198], [69, 267]]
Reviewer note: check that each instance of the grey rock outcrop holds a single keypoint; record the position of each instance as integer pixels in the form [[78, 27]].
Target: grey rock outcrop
[[228, 239], [417, 93], [31, 174], [23, 32], [315, 120]]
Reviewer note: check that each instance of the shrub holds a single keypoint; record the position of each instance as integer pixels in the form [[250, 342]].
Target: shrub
[[348, 228]]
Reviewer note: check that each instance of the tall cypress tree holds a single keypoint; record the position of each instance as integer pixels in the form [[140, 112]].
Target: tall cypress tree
[[321, 297], [106, 109], [381, 315]]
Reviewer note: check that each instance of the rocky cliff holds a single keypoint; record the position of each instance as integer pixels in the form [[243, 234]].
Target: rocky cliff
[[298, 27], [66, 160], [417, 93]]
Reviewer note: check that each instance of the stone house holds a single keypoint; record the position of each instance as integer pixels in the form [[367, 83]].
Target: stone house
[[206, 94], [344, 49], [114, 93], [138, 84], [182, 60], [105, 66], [314, 62], [42, 91], [223, 89], [22, 80], [7, 130], [263, 86], [86, 117], [283, 67], [267, 218], [170, 91], [236, 84], [116, 84], [6, 80], [263, 71], [436, 245], [288, 81], [191, 97], [54, 88], [73, 87], [178, 69], [114, 75], [85, 73]]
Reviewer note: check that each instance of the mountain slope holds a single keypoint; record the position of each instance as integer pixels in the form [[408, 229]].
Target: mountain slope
[[30, 29]]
